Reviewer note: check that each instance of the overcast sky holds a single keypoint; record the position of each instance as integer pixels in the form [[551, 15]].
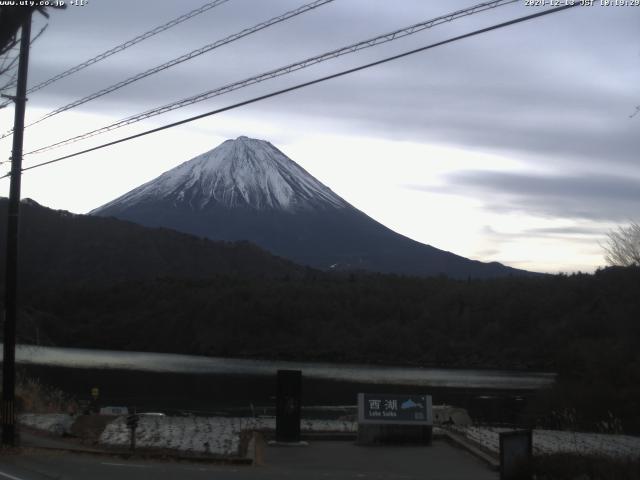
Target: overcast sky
[[517, 146]]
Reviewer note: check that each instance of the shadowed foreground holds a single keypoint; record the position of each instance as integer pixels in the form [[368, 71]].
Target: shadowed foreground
[[336, 460]]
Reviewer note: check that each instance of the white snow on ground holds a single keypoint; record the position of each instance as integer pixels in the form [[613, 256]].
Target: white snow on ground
[[326, 426], [57, 423], [214, 435], [555, 441], [221, 435]]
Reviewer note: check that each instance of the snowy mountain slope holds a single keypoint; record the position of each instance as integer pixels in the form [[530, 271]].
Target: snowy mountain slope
[[241, 172], [247, 189]]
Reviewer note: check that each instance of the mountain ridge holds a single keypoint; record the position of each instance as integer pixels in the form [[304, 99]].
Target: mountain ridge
[[59, 247], [247, 189]]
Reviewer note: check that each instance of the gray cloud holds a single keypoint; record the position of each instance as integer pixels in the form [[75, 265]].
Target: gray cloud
[[564, 231], [583, 235], [531, 90], [593, 197]]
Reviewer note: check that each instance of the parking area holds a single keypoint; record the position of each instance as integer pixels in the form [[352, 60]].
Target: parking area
[[345, 460]]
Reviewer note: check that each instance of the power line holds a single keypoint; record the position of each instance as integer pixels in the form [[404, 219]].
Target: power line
[[387, 37], [305, 84], [127, 44], [6, 68], [184, 58]]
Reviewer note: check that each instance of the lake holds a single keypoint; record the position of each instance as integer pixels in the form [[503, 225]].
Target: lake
[[186, 383]]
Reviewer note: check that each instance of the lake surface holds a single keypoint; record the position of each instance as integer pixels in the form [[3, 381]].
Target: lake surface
[[185, 383], [190, 364]]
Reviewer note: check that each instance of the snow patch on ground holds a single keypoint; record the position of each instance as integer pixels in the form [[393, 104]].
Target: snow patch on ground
[[555, 441], [57, 423], [222, 435], [209, 435]]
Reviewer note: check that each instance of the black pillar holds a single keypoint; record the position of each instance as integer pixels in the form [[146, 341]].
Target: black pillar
[[289, 394]]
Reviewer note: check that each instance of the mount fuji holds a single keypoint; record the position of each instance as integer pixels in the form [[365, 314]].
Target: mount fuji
[[247, 189]]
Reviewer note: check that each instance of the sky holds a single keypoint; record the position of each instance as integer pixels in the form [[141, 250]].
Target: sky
[[519, 145]]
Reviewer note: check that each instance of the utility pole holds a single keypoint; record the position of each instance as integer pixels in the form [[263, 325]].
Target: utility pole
[[11, 277]]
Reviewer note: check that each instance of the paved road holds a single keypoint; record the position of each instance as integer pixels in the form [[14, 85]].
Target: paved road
[[320, 460], [29, 438]]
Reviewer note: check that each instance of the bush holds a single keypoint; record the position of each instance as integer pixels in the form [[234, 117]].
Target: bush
[[35, 397]]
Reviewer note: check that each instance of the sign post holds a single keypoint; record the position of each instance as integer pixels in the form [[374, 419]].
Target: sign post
[[94, 405], [385, 418], [132, 424]]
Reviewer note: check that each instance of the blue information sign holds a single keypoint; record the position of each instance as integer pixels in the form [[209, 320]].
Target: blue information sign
[[396, 409]]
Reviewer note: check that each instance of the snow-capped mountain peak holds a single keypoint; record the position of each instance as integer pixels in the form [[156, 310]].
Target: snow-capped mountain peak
[[248, 190], [244, 172]]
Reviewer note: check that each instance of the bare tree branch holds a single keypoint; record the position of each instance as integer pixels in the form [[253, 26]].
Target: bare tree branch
[[623, 246], [10, 62]]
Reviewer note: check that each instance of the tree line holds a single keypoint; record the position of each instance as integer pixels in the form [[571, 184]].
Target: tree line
[[583, 326]]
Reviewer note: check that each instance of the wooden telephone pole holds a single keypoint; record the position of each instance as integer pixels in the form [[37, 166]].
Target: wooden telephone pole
[[11, 278]]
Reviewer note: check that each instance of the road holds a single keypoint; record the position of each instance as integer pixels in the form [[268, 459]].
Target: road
[[320, 460]]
